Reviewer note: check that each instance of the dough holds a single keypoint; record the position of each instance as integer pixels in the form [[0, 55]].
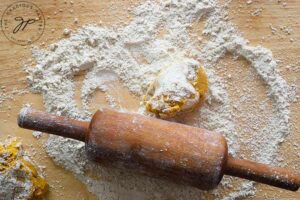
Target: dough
[[19, 178], [180, 87]]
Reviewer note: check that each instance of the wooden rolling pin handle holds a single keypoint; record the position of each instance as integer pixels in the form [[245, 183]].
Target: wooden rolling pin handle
[[57, 125], [275, 176]]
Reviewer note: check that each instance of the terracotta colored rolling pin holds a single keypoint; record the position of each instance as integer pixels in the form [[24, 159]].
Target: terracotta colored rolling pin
[[158, 148]]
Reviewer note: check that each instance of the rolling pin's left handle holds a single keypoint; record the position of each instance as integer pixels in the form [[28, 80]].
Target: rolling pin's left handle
[[40, 121]]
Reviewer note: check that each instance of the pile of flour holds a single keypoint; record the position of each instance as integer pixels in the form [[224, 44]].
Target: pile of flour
[[135, 54]]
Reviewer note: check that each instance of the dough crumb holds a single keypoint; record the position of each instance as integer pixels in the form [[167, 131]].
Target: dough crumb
[[19, 178]]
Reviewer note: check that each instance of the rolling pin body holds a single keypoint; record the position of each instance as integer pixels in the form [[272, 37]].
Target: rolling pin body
[[158, 148]]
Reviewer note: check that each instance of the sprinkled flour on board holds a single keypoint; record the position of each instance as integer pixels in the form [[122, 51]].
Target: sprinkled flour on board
[[136, 54]]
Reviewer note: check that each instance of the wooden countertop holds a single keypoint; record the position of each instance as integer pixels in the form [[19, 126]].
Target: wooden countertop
[[60, 15]]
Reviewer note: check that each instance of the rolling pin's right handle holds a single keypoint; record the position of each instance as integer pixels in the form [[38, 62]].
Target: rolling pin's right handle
[[57, 125], [275, 176]]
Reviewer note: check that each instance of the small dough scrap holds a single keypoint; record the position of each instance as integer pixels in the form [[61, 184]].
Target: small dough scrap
[[19, 178], [180, 87]]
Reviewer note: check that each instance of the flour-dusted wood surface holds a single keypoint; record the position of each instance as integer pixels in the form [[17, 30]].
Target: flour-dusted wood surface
[[270, 24]]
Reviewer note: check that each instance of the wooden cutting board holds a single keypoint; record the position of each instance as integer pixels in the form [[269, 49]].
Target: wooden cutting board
[[59, 15]]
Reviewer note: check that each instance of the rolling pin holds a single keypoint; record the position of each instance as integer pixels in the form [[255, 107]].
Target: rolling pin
[[158, 148]]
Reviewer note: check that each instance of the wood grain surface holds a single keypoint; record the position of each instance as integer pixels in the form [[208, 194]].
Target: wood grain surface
[[61, 14]]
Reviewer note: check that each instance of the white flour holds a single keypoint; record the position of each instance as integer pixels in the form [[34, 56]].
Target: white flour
[[135, 54]]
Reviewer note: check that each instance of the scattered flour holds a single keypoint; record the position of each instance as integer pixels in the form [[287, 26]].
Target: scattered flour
[[37, 134], [135, 54]]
